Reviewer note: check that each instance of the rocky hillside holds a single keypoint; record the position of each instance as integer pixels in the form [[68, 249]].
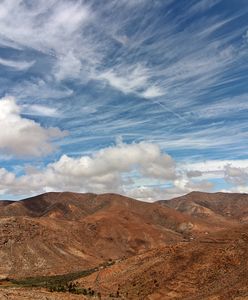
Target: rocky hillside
[[212, 267], [57, 233], [191, 247], [213, 206]]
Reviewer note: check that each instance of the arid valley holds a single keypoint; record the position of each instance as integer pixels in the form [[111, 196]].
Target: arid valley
[[110, 246]]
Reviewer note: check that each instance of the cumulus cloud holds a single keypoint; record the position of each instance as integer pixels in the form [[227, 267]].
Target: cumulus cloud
[[21, 136], [139, 170], [148, 193], [6, 180], [104, 171], [235, 175], [184, 185], [146, 157], [176, 188]]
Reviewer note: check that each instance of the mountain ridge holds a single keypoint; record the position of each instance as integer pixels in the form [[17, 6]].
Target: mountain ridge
[[195, 234]]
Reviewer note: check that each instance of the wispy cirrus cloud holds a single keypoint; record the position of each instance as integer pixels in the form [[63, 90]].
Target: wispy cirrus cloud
[[40, 110], [17, 65], [81, 46], [39, 89]]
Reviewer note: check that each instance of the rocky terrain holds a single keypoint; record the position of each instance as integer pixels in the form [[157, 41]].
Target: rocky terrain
[[191, 247], [34, 294], [213, 206], [214, 267]]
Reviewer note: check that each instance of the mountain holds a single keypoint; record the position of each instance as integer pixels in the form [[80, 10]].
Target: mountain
[[55, 233], [214, 206], [208, 268], [190, 247]]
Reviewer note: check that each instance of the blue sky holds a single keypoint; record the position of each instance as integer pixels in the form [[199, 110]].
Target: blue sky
[[140, 97]]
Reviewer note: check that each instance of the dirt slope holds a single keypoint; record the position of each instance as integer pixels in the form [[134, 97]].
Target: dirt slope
[[215, 267], [35, 294], [192, 247]]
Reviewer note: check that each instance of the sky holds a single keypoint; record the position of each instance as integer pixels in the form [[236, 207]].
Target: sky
[[146, 98]]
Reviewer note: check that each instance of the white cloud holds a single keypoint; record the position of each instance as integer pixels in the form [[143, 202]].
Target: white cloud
[[212, 166], [21, 136], [148, 193], [236, 189], [201, 6], [40, 89], [152, 92], [80, 38], [128, 79], [210, 136], [51, 27], [68, 66], [177, 188], [104, 171], [145, 157], [234, 172], [136, 79], [223, 107], [6, 180], [140, 170], [202, 185], [17, 65], [76, 40], [39, 110], [236, 175]]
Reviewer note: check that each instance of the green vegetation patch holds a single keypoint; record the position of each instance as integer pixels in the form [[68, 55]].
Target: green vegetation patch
[[49, 281]]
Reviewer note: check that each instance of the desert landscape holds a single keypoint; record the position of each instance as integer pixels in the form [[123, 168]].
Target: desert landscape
[[123, 149], [79, 246]]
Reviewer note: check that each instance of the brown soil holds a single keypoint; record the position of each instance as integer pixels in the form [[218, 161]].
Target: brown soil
[[193, 247]]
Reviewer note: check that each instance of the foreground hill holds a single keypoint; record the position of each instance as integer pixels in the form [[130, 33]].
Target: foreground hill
[[213, 268], [35, 294]]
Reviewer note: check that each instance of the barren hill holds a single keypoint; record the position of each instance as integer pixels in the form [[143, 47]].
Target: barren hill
[[212, 205], [213, 268], [65, 232], [191, 247]]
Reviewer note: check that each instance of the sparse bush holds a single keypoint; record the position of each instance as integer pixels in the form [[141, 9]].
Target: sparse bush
[[62, 283]]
